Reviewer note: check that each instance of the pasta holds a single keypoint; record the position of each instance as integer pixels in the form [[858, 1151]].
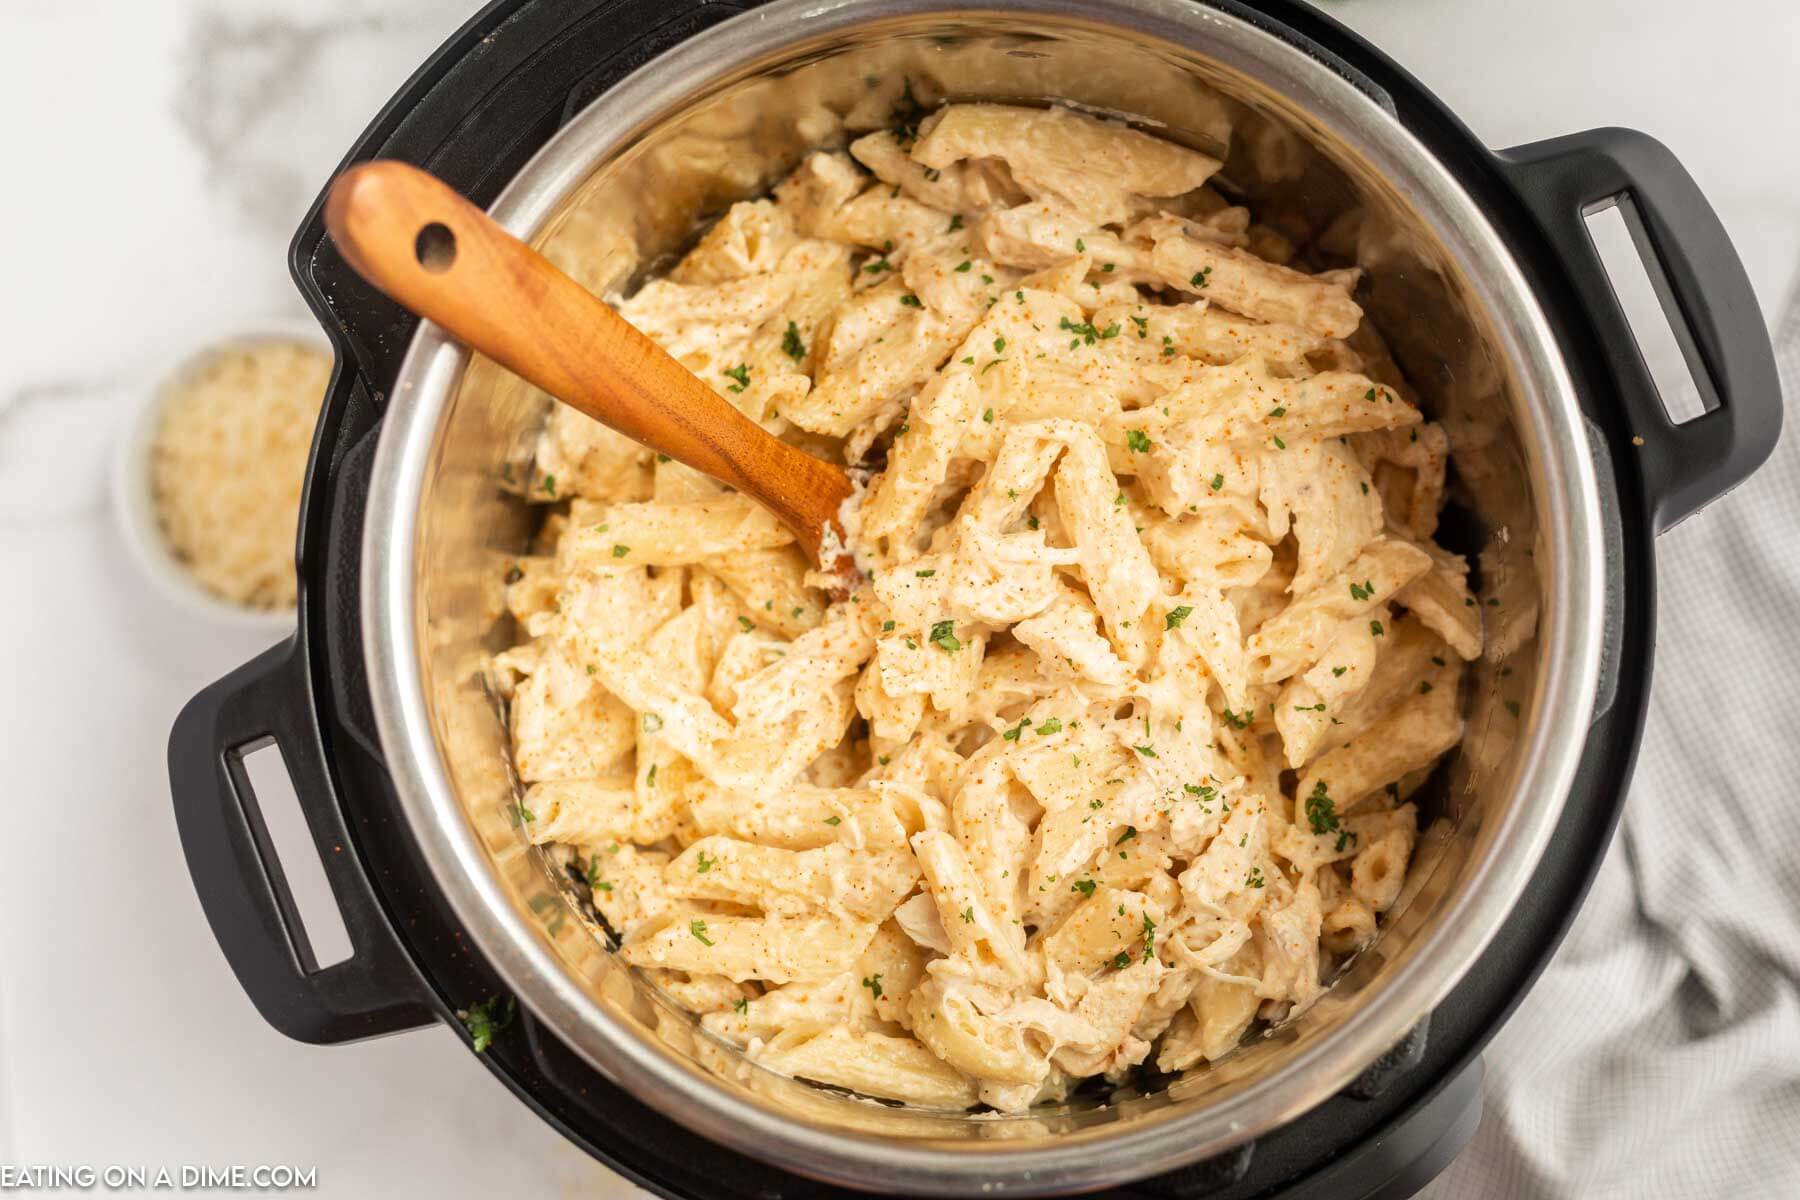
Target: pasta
[[1142, 543]]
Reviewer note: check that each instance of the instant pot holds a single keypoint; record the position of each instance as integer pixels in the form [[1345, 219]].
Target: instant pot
[[606, 132]]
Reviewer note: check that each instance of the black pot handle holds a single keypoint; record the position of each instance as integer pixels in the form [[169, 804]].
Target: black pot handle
[[239, 877], [1705, 294]]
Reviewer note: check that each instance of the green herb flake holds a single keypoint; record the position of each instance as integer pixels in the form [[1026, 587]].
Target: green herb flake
[[549, 486], [968, 915], [1049, 726], [741, 373], [987, 416], [964, 267], [704, 864], [1130, 832], [873, 983], [834, 820], [486, 1019], [1175, 616], [698, 929], [1201, 278], [791, 345], [746, 624], [943, 636], [912, 301], [1138, 440], [1321, 810]]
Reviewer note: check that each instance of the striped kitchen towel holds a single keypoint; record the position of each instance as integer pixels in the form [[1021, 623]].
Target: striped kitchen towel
[[1659, 1055]]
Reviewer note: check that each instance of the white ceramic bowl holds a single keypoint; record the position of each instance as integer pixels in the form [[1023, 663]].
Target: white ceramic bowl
[[134, 505]]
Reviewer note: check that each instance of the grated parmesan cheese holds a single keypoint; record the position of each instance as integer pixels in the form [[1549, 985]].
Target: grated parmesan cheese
[[226, 466]]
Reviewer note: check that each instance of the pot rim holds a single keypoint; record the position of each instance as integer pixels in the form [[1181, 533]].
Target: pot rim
[[1555, 444]]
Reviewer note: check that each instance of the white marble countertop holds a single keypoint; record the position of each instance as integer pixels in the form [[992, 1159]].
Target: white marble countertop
[[165, 182]]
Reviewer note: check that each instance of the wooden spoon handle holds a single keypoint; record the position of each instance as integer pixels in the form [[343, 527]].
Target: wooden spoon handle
[[424, 245]]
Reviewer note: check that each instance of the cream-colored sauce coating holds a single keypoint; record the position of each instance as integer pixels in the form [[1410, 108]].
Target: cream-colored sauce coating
[[1142, 538]]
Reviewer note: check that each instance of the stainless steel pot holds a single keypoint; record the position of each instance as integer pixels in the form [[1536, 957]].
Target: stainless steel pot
[[1317, 150]]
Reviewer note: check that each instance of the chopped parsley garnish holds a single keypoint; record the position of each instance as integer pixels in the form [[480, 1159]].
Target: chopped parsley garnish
[[873, 983], [1239, 720], [1121, 960], [987, 415], [999, 345], [955, 223], [1138, 440], [698, 929], [1375, 628], [650, 779], [887, 627], [878, 266], [924, 574], [1012, 735], [1362, 591], [1279, 444], [1200, 278], [968, 915], [1175, 616], [704, 864], [1255, 878], [991, 364], [1424, 686], [1106, 269], [1338, 672], [963, 267], [1218, 481], [1049, 726], [1084, 886], [1321, 810], [1130, 832], [740, 1005], [550, 486], [486, 1019], [741, 373], [1085, 332], [1147, 751], [1278, 411], [1143, 325], [1080, 246], [1149, 938], [791, 345], [834, 820], [943, 635], [912, 301], [745, 624]]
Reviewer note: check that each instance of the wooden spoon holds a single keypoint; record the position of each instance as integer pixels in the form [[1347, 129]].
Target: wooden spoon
[[410, 235]]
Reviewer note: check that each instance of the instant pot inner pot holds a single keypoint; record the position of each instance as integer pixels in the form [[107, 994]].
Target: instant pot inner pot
[[648, 190]]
